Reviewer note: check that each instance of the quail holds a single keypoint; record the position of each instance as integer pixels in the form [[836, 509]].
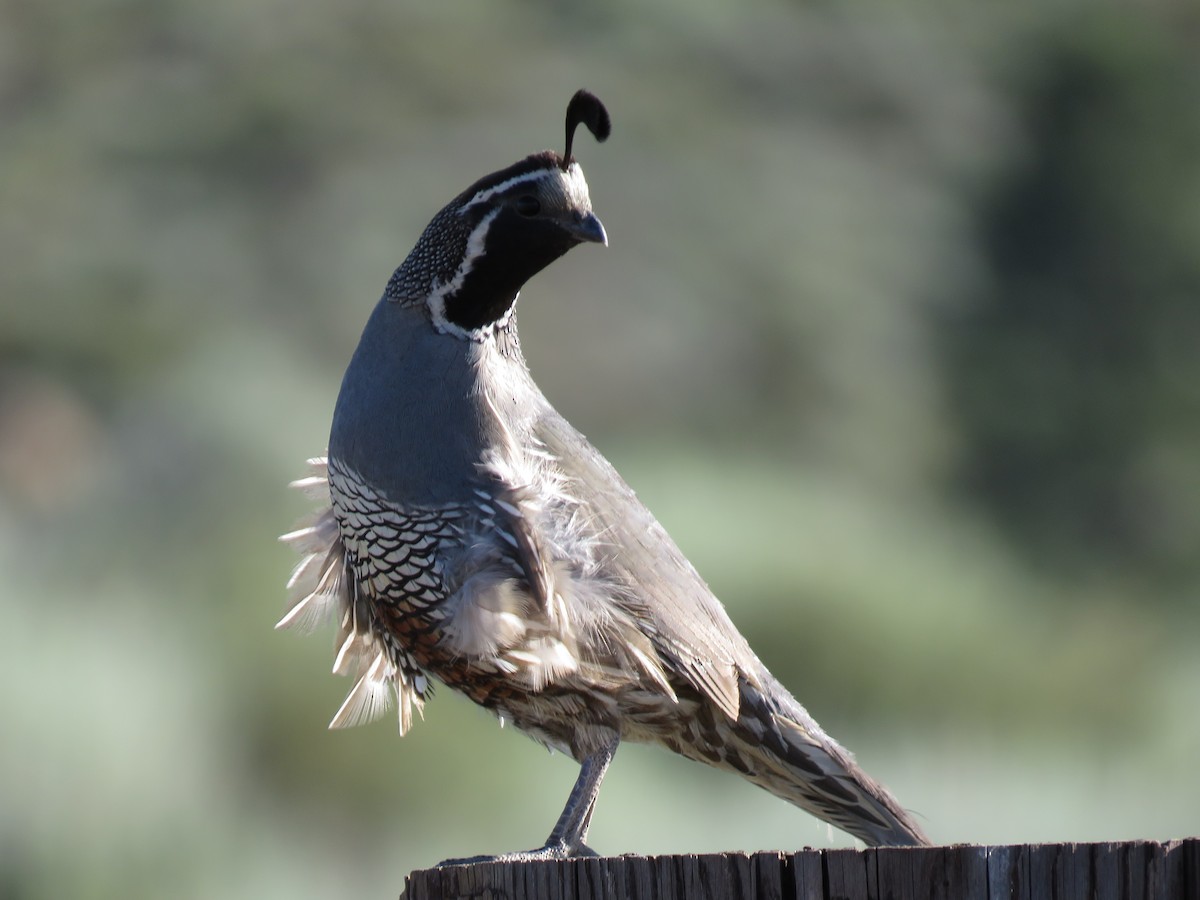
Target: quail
[[469, 535]]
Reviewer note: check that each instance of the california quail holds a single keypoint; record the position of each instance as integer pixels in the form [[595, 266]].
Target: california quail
[[474, 537]]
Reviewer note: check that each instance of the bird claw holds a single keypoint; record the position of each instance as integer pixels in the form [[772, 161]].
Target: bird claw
[[553, 851]]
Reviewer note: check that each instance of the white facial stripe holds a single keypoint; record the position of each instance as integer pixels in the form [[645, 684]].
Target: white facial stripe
[[571, 184], [437, 297], [570, 189], [488, 193]]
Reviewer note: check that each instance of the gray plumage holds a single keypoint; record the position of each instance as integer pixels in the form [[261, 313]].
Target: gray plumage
[[473, 536]]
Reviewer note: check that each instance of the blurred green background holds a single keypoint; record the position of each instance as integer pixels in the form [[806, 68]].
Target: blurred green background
[[898, 335]]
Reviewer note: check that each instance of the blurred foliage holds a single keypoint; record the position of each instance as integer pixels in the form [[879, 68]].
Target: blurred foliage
[[1076, 376], [896, 334]]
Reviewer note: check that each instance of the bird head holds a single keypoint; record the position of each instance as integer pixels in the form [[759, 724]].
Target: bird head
[[478, 252]]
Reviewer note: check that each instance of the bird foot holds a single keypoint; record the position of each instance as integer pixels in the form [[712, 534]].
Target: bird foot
[[551, 851]]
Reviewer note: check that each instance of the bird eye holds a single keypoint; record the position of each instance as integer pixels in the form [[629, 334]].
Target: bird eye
[[528, 205]]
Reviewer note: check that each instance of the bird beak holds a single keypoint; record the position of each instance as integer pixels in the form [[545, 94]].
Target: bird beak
[[587, 228]]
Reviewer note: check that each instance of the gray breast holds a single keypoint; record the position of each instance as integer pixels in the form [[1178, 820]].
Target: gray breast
[[409, 417]]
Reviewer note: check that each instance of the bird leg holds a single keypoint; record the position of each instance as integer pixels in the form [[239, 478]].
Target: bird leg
[[570, 831]]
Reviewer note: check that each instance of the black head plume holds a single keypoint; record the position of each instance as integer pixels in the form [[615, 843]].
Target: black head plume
[[586, 107]]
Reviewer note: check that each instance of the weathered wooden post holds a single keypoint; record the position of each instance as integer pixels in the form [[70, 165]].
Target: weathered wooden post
[[1134, 870]]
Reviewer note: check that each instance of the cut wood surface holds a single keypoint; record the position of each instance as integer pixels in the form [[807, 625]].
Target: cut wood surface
[[1134, 870]]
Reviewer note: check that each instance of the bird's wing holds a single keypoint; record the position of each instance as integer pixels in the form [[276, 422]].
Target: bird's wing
[[687, 624]]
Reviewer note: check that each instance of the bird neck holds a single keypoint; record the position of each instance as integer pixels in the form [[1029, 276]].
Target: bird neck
[[418, 408], [469, 269]]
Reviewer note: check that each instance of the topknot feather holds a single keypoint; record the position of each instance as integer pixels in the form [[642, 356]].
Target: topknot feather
[[585, 107]]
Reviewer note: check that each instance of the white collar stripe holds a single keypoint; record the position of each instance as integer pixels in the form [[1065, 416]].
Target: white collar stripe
[[437, 297]]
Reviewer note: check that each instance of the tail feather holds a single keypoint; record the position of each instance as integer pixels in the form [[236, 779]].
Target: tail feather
[[800, 763]]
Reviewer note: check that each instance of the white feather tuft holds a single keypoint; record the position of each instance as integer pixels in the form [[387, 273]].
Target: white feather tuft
[[485, 616], [305, 572], [369, 698], [653, 668], [407, 698], [543, 661], [319, 597], [316, 535], [314, 486]]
